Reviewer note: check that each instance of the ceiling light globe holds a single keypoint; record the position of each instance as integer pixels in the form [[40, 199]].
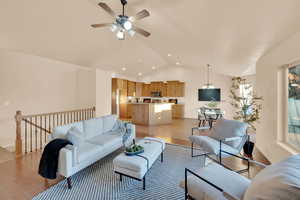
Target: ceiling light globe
[[120, 35], [113, 28], [127, 25], [131, 33]]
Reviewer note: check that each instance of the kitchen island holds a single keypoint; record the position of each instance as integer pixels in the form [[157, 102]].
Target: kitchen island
[[151, 113]]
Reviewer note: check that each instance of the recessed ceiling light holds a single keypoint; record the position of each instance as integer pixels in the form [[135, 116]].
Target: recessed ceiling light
[[177, 63], [140, 74], [169, 55], [124, 68], [153, 67]]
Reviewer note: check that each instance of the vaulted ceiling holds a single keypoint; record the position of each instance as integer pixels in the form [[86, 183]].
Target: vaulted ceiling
[[229, 34]]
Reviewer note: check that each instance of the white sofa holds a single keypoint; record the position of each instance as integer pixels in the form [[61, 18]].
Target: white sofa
[[101, 136]]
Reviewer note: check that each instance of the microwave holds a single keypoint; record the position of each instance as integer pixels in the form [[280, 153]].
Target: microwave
[[156, 94]]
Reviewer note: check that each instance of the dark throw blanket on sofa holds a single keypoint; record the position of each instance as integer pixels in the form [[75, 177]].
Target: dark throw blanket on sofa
[[49, 161]]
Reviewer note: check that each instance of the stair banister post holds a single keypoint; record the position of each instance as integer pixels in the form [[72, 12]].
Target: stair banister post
[[18, 143]]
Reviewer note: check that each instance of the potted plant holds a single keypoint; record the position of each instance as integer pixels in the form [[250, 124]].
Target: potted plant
[[247, 105]]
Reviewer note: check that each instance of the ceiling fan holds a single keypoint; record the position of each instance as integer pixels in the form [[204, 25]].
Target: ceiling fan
[[123, 23]]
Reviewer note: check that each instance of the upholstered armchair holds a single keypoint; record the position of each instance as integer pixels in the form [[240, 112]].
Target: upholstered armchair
[[225, 139], [280, 181]]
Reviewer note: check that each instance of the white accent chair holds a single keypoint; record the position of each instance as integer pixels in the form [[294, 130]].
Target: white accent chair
[[280, 181], [98, 138], [225, 139]]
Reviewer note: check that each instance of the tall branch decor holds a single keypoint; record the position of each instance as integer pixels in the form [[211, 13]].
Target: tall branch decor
[[247, 104]]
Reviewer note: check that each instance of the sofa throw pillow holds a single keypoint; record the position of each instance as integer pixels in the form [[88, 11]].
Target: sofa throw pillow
[[93, 127], [75, 136], [229, 128], [109, 122], [277, 181]]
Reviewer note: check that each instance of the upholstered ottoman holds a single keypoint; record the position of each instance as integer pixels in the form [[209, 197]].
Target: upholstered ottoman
[[137, 166]]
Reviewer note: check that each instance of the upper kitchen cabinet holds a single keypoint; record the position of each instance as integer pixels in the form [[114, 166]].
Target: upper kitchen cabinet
[[179, 92], [164, 90], [146, 92], [131, 88], [175, 89], [121, 84], [156, 86], [138, 89]]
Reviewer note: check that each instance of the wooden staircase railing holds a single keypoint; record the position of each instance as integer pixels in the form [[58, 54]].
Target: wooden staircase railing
[[32, 130]]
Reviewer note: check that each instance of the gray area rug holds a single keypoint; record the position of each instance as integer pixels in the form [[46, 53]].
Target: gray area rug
[[100, 182]]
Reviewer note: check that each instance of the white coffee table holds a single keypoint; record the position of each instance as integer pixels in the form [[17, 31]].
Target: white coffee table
[[136, 167]]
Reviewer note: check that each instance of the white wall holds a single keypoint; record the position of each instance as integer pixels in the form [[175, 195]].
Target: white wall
[[34, 84], [86, 87], [269, 84], [195, 79], [103, 92]]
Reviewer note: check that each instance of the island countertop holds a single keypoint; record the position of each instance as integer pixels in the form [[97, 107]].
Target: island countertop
[[151, 113]]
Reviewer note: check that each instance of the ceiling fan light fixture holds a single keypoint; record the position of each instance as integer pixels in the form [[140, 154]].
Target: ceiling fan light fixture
[[120, 34], [127, 25], [123, 23], [113, 28], [131, 33]]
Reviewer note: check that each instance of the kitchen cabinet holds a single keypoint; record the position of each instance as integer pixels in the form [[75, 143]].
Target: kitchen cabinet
[[171, 88], [164, 90], [138, 89], [180, 87], [146, 90], [131, 87], [156, 86], [129, 110], [177, 111], [175, 89]]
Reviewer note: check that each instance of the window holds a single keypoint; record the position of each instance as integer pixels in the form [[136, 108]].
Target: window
[[293, 136]]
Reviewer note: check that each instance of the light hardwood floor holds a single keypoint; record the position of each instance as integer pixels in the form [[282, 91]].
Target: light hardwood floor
[[5, 155], [20, 180]]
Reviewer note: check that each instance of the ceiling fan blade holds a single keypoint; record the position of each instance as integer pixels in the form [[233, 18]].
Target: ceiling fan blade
[[141, 31], [100, 25], [140, 15], [107, 9]]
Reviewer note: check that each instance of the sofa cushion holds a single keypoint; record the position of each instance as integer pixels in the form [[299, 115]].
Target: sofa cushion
[[109, 122], [93, 127], [86, 151], [229, 128], [107, 139], [219, 176], [277, 181], [61, 131], [75, 136]]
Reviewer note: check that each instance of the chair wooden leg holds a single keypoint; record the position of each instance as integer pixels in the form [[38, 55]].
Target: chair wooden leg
[[69, 183]]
